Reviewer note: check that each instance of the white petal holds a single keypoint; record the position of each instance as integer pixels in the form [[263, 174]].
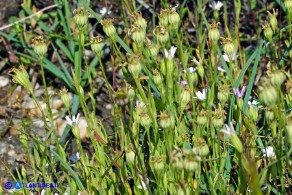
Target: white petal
[[77, 118], [68, 120], [225, 132], [225, 57], [219, 4], [166, 53], [103, 11], [172, 51], [221, 69]]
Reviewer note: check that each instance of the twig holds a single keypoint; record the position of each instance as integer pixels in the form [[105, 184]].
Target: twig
[[28, 17]]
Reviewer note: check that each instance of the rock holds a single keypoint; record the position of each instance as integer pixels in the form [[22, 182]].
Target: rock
[[11, 153], [15, 129], [4, 81]]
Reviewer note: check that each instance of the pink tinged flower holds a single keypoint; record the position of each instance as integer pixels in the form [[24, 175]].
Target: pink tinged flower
[[226, 58], [229, 130], [170, 54], [201, 95], [190, 69], [216, 5], [74, 121], [183, 83], [238, 93]]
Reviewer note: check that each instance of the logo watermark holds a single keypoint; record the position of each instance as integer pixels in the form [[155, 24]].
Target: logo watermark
[[18, 185]]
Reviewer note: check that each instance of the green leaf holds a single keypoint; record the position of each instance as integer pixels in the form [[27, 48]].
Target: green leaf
[[252, 77]]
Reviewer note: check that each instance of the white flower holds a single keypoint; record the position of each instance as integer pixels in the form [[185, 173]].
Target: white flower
[[201, 95], [74, 120], [226, 58], [170, 54], [143, 186], [103, 11], [43, 192], [216, 5], [191, 69], [221, 69], [254, 103], [269, 152], [229, 130], [77, 155]]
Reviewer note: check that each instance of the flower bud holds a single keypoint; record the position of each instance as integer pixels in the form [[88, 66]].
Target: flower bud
[[39, 46], [169, 66], [157, 163], [217, 122], [163, 17], [80, 18], [65, 98], [201, 71], [161, 34], [163, 67], [268, 32], [216, 14], [185, 97], [176, 159], [130, 155], [178, 164], [140, 109], [145, 120], [236, 143], [134, 65], [269, 115], [135, 129], [276, 77], [137, 34], [20, 76], [158, 80], [218, 118], [289, 128], [267, 93], [96, 45], [76, 131], [153, 50], [131, 92], [253, 113], [228, 47], [288, 87], [191, 165], [166, 120], [202, 118], [222, 97], [273, 19], [202, 149], [223, 94], [214, 34], [239, 102], [173, 18], [140, 21], [108, 27]]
